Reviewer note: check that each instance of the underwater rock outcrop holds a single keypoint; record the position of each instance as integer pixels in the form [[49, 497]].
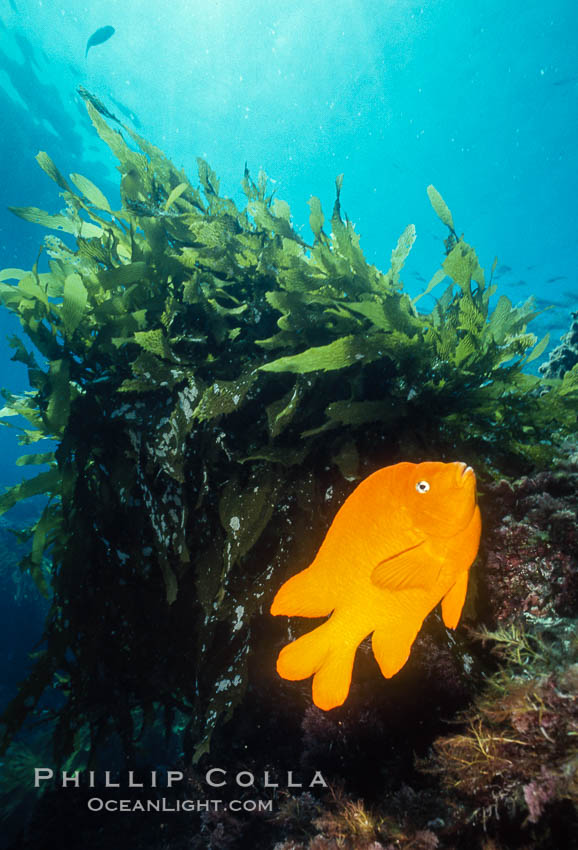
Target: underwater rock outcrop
[[564, 358], [512, 767], [532, 540]]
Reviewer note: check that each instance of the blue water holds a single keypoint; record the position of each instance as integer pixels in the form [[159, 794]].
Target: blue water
[[479, 99]]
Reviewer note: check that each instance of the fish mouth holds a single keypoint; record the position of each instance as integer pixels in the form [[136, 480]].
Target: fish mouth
[[464, 473]]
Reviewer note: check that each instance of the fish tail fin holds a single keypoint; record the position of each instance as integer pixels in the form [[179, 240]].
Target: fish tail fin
[[303, 657], [391, 646], [304, 595], [324, 655]]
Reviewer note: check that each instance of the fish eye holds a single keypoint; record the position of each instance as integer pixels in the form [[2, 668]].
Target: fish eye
[[422, 486]]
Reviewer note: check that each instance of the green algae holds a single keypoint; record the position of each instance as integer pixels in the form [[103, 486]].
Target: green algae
[[194, 357]]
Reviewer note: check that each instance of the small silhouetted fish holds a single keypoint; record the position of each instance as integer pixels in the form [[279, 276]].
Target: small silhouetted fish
[[558, 277], [565, 82], [518, 283], [101, 35], [555, 323], [559, 300], [502, 270]]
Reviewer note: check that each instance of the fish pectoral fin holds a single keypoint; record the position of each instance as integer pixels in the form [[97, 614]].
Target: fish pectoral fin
[[407, 569], [453, 601]]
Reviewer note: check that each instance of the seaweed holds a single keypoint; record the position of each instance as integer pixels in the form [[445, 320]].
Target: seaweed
[[517, 752], [203, 369]]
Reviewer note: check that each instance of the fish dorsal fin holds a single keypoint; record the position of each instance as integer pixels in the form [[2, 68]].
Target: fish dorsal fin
[[402, 571]]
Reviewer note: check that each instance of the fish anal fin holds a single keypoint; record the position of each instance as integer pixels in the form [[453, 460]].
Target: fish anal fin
[[453, 601], [391, 647], [403, 571], [304, 595]]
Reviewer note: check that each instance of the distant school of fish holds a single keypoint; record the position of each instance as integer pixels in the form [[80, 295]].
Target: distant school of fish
[[403, 541]]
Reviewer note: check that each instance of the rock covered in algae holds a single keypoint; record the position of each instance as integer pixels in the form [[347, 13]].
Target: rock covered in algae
[[532, 540], [511, 768], [565, 356]]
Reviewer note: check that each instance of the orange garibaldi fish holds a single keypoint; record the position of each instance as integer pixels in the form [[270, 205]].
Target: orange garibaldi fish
[[401, 542]]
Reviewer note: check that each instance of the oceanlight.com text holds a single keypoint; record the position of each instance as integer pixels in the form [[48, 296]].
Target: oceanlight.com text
[[100, 804]]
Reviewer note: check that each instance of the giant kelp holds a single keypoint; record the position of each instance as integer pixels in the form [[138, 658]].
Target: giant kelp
[[205, 373]]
